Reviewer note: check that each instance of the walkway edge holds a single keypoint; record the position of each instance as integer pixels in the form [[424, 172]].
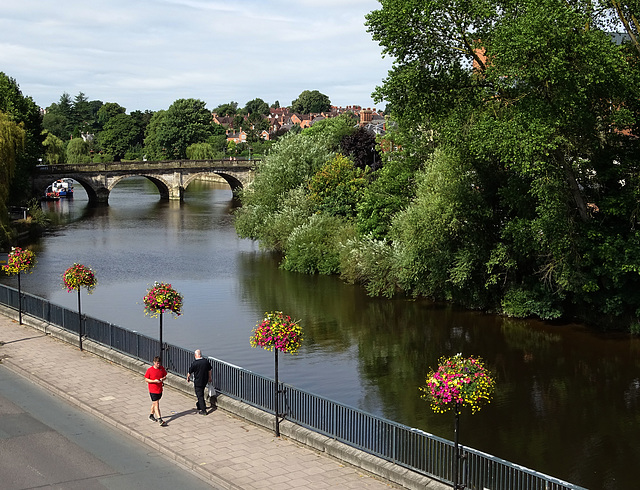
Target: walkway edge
[[296, 433]]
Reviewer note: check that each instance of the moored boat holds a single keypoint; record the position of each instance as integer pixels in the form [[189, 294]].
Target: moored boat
[[50, 194], [63, 187]]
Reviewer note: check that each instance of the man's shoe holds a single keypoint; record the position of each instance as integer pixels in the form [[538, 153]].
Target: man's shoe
[[202, 412], [162, 423], [152, 418]]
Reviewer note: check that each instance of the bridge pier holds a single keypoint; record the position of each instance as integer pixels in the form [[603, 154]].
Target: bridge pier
[[176, 193], [100, 197]]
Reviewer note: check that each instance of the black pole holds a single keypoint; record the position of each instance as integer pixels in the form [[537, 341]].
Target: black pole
[[79, 320], [275, 394], [19, 300], [161, 344], [456, 456]]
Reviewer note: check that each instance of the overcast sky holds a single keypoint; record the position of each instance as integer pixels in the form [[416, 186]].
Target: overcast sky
[[145, 54]]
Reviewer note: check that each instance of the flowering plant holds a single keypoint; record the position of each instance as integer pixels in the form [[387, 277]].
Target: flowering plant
[[278, 331], [459, 381], [19, 260], [160, 298], [78, 276]]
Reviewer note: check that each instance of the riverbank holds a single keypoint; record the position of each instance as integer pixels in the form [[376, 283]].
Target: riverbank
[[230, 447]]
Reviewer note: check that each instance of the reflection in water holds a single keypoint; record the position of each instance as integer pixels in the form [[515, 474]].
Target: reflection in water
[[567, 400]]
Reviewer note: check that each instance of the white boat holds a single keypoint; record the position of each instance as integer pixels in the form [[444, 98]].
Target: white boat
[[63, 187]]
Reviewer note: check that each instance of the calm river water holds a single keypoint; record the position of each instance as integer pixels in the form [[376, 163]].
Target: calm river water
[[567, 401]]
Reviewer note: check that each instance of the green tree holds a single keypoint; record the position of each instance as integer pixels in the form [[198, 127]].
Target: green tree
[[118, 135], [257, 106], [531, 104], [22, 110], [229, 109], [109, 110], [58, 118], [12, 139], [142, 120], [83, 116], [54, 150], [288, 167], [201, 151], [311, 101], [187, 121], [337, 187], [78, 151], [391, 189], [153, 147]]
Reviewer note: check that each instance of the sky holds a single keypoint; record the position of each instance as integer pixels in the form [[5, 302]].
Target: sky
[[145, 54]]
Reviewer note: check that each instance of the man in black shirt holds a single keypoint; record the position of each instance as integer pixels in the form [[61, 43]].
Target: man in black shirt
[[200, 370]]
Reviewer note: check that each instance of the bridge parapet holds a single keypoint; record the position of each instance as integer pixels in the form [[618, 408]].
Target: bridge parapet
[[147, 165]]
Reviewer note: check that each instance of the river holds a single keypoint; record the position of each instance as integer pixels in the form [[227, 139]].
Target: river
[[567, 401]]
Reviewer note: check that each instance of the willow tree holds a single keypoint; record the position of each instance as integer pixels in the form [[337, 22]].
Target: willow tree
[[24, 111], [532, 107], [12, 138]]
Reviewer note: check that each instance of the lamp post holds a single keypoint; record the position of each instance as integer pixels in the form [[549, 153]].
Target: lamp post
[[19, 260], [278, 332], [76, 277], [162, 297], [457, 382]]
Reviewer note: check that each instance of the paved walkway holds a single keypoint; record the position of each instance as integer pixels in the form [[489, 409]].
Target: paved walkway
[[222, 449]]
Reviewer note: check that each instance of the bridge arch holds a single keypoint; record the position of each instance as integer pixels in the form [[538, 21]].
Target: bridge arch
[[233, 182], [161, 184]]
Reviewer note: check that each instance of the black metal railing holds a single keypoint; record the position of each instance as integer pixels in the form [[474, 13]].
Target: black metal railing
[[411, 448]]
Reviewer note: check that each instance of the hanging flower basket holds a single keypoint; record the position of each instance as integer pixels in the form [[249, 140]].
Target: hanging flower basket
[[278, 331], [459, 381], [19, 260], [79, 276], [160, 298]]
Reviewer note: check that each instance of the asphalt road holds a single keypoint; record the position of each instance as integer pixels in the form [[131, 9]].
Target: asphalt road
[[47, 443]]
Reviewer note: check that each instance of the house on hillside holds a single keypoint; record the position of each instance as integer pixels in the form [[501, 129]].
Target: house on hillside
[[237, 136]]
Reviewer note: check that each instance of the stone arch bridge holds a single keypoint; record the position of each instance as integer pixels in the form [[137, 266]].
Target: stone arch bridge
[[171, 177]]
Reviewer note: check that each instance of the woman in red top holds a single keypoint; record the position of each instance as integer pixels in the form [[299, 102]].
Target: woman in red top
[[155, 377]]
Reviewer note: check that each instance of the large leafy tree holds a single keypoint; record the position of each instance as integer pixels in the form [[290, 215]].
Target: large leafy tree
[[187, 121], [257, 106], [70, 117], [12, 137], [229, 109], [152, 146], [22, 110], [54, 150], [337, 187], [311, 101], [58, 118], [532, 108], [118, 135], [107, 111], [78, 151]]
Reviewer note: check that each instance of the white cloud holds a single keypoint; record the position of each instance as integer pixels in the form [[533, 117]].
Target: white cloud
[[144, 54]]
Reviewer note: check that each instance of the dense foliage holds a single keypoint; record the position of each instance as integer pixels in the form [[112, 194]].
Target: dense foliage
[[311, 101], [24, 112], [510, 180], [527, 199]]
